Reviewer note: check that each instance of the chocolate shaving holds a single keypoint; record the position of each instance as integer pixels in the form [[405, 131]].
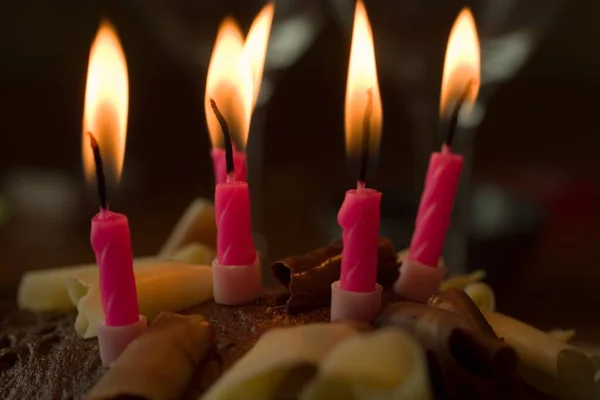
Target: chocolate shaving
[[160, 362], [309, 276], [471, 363], [457, 301]]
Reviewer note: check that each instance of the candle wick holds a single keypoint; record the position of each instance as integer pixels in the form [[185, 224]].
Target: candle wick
[[226, 137], [366, 137], [360, 185], [100, 180], [450, 122]]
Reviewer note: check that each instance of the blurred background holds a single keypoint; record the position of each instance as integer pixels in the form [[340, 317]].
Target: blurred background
[[529, 206]]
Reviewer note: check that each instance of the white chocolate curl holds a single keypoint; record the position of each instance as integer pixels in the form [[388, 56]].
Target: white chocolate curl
[[45, 290], [384, 365], [401, 255], [194, 253], [161, 286], [196, 225], [461, 281], [551, 365], [562, 335], [536, 348], [257, 375], [482, 295]]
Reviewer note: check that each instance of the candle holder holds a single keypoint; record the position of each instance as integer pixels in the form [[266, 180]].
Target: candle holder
[[234, 285], [113, 340], [354, 306], [418, 282]]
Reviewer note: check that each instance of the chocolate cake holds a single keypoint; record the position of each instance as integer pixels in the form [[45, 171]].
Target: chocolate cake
[[42, 357]]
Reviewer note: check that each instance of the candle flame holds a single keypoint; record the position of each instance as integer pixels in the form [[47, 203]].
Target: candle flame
[[462, 66], [362, 83], [256, 46], [106, 104], [230, 84]]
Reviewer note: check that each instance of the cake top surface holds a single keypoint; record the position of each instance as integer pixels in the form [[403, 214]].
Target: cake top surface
[[41, 355]]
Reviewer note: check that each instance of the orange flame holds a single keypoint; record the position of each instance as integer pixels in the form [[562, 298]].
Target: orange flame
[[229, 83], [106, 103], [362, 78], [462, 66], [256, 46]]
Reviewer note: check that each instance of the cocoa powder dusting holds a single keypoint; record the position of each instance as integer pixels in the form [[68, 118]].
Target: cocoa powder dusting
[[42, 357]]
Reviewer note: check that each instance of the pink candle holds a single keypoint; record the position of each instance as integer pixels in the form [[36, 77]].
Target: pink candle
[[111, 242], [356, 295], [220, 168], [233, 82], [105, 114], [359, 217], [234, 229], [435, 209], [237, 275], [420, 276]]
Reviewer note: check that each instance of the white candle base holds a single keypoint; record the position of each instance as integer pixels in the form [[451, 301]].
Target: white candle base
[[418, 282], [354, 306], [234, 285], [113, 340]]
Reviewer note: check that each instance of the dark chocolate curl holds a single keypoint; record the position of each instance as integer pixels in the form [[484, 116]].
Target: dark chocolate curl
[[457, 301], [309, 276], [463, 361]]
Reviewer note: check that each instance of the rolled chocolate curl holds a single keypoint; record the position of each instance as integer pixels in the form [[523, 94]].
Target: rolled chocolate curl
[[45, 290], [162, 286], [463, 362], [259, 373], [450, 336], [196, 225], [386, 364], [551, 365], [401, 256], [457, 301], [194, 253], [309, 276], [159, 364], [561, 335], [536, 348]]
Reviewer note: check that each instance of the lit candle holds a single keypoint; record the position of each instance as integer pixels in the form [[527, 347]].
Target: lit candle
[[420, 275], [229, 101], [219, 166], [255, 48], [357, 296], [104, 133]]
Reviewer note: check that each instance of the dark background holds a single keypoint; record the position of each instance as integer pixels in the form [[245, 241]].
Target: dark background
[[539, 144]]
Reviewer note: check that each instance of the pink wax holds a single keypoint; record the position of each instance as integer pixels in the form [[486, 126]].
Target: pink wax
[[359, 218], [234, 229], [220, 168], [111, 242], [435, 209]]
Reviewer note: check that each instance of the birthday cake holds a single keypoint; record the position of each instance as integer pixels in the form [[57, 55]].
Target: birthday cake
[[353, 320], [283, 345]]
